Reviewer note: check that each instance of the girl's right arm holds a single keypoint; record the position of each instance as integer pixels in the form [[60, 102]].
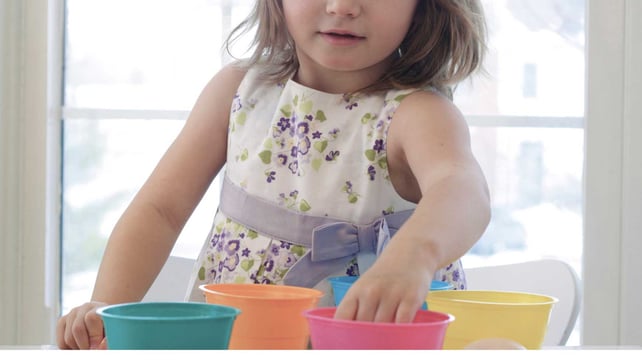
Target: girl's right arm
[[143, 237]]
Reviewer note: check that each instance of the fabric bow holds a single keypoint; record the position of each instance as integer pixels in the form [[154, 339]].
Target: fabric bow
[[335, 244]]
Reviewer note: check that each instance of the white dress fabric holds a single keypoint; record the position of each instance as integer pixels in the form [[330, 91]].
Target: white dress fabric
[[310, 152]]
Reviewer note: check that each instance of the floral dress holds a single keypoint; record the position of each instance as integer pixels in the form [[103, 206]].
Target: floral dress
[[308, 153]]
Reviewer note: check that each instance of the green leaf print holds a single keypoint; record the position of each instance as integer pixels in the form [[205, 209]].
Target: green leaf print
[[268, 144], [383, 162], [352, 198], [244, 155], [306, 107], [252, 234], [304, 206], [321, 145], [321, 116], [298, 250], [316, 164], [247, 264], [366, 118], [371, 154], [286, 110], [266, 157], [239, 280], [241, 118], [201, 273], [401, 97], [281, 273]]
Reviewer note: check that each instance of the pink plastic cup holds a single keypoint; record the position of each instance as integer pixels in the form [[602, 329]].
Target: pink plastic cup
[[426, 332]]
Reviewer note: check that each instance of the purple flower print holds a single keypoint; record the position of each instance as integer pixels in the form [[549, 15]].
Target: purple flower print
[[316, 135], [348, 187], [352, 270], [282, 159], [294, 151], [236, 103], [293, 121], [268, 265], [232, 246], [284, 123], [332, 155], [309, 117], [214, 240], [351, 103], [294, 167], [274, 249], [302, 129], [220, 245], [304, 146], [456, 275], [271, 176], [378, 145], [372, 172], [246, 252], [290, 261], [231, 262]]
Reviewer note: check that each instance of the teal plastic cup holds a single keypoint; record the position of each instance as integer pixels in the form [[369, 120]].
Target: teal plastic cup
[[341, 284], [168, 326]]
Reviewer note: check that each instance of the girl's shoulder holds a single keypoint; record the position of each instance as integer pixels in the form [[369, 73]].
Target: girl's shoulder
[[428, 108], [425, 99]]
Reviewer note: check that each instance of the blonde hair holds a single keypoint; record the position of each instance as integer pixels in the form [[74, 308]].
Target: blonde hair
[[445, 44]]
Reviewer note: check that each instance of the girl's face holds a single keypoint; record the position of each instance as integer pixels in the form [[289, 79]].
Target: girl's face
[[348, 35]]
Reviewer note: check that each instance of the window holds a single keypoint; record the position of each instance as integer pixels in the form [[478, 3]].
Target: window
[[128, 87]]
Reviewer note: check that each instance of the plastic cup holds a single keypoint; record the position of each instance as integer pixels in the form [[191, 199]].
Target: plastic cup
[[516, 316], [341, 284], [167, 326], [271, 315], [426, 332]]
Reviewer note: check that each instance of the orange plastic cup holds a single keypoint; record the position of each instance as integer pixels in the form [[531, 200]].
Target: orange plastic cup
[[271, 315]]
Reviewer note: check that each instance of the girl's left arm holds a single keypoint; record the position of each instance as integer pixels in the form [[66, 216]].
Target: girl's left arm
[[429, 150], [431, 162]]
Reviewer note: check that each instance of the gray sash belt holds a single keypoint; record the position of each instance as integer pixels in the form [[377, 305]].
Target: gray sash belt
[[332, 242]]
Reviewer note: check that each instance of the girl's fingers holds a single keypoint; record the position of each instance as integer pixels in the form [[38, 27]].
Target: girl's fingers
[[94, 324]]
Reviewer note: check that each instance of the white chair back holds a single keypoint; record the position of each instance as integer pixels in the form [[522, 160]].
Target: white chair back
[[171, 283]]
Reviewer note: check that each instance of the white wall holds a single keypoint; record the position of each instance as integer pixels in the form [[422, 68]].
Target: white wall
[[613, 192], [28, 151]]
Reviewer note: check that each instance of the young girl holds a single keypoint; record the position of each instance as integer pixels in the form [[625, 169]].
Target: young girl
[[343, 154]]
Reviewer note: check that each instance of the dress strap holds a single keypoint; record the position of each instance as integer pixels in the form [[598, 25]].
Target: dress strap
[[332, 242]]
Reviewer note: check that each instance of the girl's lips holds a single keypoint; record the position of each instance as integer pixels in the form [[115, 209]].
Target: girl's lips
[[341, 38]]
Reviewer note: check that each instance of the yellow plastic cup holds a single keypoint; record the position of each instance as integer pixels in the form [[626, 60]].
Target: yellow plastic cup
[[482, 314], [271, 315]]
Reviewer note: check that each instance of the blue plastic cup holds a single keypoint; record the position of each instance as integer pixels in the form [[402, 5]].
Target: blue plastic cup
[[168, 325], [341, 284]]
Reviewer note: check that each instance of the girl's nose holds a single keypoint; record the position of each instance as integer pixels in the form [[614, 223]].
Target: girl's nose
[[348, 8]]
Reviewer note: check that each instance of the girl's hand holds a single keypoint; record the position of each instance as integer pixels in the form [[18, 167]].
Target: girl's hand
[[392, 290], [81, 328]]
